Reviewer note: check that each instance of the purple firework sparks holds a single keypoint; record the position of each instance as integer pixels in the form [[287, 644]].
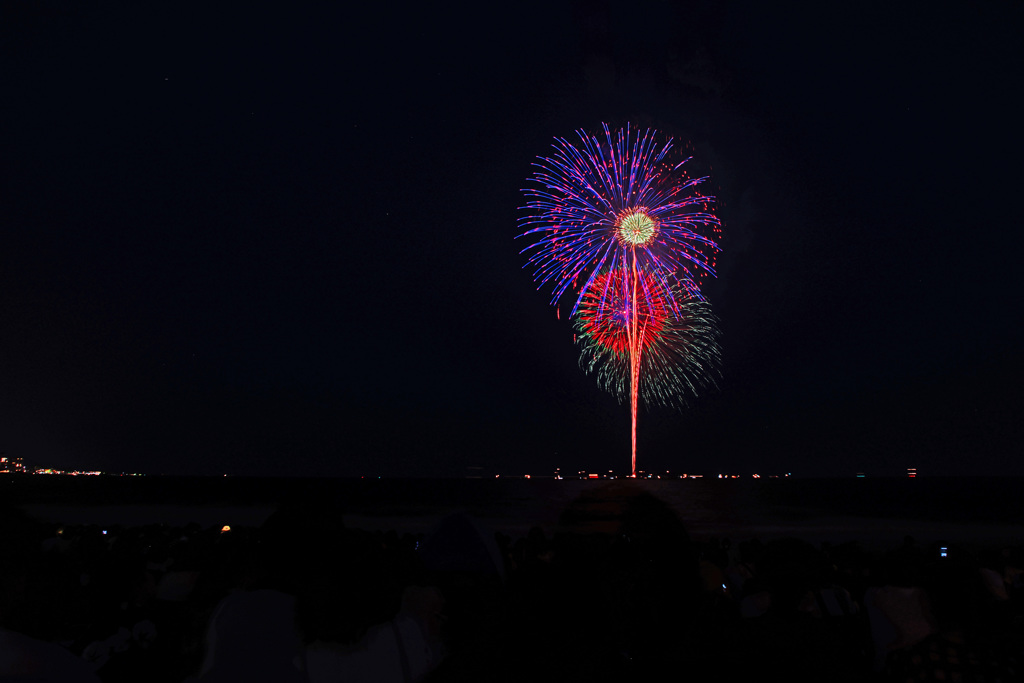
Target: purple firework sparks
[[603, 202]]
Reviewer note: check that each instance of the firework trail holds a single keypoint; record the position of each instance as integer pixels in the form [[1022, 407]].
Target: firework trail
[[653, 350], [620, 221]]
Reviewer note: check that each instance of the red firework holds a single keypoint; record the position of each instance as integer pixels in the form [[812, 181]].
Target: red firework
[[605, 312], [630, 326], [627, 309]]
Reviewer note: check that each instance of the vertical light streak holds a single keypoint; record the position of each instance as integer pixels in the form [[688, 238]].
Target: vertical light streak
[[635, 349]]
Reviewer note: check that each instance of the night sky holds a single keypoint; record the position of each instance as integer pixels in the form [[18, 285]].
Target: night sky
[[277, 239]]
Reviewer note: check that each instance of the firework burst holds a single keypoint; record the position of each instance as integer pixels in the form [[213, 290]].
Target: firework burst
[[620, 221], [677, 345], [607, 201]]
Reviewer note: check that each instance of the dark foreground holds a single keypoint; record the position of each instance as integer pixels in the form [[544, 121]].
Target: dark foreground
[[510, 581]]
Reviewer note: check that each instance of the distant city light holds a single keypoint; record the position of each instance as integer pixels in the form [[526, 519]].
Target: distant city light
[[557, 474]]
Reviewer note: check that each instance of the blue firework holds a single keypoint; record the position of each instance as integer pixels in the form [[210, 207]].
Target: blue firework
[[619, 201]]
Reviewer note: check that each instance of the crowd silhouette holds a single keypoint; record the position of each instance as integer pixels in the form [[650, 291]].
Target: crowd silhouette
[[304, 598]]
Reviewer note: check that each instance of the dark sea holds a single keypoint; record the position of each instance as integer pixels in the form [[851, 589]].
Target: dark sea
[[878, 512]]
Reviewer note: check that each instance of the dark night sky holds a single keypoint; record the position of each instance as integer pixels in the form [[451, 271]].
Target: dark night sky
[[271, 239]]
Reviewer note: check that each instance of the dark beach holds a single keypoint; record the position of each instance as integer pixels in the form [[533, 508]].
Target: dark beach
[[875, 511]]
